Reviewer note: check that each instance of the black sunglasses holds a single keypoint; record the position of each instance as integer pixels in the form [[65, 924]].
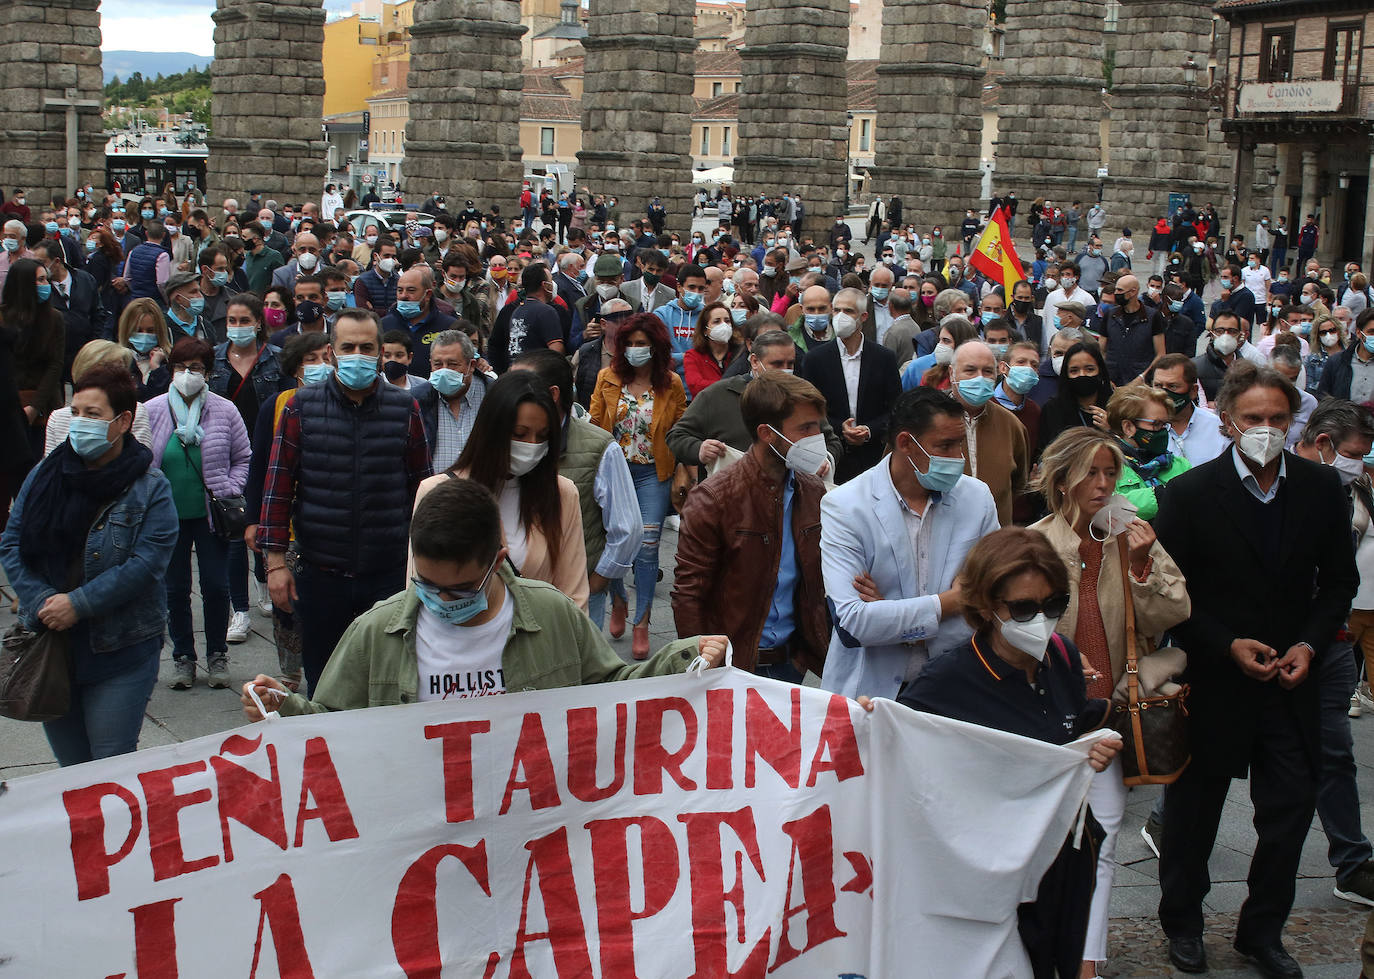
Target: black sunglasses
[[1023, 610]]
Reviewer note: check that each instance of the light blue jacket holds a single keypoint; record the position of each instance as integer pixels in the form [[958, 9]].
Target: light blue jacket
[[121, 597], [862, 529]]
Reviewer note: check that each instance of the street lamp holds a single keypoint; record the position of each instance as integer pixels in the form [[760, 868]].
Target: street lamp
[[1190, 68]]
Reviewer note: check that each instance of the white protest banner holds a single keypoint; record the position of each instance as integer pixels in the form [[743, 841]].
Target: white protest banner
[[704, 826]]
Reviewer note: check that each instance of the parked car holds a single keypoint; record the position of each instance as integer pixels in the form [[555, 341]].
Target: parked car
[[390, 220]]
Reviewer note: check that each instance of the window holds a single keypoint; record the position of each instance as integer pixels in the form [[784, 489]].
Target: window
[[705, 141], [546, 141], [725, 141], [1276, 55], [1342, 62], [717, 88], [865, 135], [739, 87]]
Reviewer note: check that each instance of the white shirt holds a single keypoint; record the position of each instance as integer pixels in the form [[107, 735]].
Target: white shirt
[[461, 661], [882, 319], [1201, 440], [918, 532], [1050, 309], [517, 539], [1257, 281], [1251, 484], [850, 364], [1266, 345]]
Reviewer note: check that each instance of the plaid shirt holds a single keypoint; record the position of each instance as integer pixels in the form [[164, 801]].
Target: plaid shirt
[[279, 489]]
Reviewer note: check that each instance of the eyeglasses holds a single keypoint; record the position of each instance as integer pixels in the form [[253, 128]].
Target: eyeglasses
[[1149, 424], [1023, 610], [453, 594]]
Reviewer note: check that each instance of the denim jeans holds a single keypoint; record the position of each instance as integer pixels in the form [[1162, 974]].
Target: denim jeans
[[1338, 798], [238, 574], [652, 494], [1073, 237], [596, 606], [105, 717], [780, 671], [328, 603], [211, 555]]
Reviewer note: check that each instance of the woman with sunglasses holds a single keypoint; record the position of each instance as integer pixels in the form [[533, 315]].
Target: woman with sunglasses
[[1139, 417], [1089, 532], [1017, 674]]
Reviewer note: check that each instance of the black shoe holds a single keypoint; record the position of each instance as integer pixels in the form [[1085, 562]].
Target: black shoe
[[1188, 954], [1271, 960]]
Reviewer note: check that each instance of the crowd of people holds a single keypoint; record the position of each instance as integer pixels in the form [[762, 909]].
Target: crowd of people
[[453, 448]]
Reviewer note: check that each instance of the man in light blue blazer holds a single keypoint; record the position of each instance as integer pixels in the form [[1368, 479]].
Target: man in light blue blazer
[[892, 542]]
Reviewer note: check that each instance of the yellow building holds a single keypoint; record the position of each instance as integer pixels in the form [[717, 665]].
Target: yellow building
[[364, 54]]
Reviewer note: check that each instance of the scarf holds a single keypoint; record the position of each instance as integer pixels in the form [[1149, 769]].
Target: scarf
[[63, 499], [187, 416], [1150, 471]]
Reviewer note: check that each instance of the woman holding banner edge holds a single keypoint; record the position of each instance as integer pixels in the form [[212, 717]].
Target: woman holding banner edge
[[467, 626]]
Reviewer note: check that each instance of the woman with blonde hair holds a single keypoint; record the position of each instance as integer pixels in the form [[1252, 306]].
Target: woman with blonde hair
[[1106, 549], [143, 329], [93, 354], [1139, 417], [1329, 337]]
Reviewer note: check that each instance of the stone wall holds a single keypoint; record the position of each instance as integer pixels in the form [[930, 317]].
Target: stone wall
[[49, 49], [268, 90], [463, 137], [930, 109], [1048, 144], [637, 106], [1160, 135], [793, 133]]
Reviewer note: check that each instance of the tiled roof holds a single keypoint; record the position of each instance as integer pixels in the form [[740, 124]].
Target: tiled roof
[[719, 63], [550, 109], [542, 81], [863, 96], [722, 107], [861, 71]]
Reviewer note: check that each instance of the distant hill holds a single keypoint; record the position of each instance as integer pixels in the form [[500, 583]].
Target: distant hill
[[150, 63]]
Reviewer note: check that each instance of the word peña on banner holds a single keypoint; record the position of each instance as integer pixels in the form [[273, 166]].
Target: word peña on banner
[[704, 826]]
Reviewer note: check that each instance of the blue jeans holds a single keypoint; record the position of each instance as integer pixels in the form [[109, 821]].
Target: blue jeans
[[596, 605], [1338, 798], [328, 603], [780, 671], [1073, 237], [652, 494], [238, 574], [105, 717], [212, 556]]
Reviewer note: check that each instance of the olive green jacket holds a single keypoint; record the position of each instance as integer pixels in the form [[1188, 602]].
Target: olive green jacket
[[552, 643]]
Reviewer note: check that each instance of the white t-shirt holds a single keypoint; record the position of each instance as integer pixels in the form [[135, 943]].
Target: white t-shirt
[[516, 537], [461, 661], [1257, 281]]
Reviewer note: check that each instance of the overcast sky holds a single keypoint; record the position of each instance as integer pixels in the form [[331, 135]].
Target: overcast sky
[[168, 25]]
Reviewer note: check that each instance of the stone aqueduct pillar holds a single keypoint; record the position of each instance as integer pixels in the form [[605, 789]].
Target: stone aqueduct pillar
[[792, 129], [51, 57], [930, 107], [1159, 124], [463, 137], [637, 105], [268, 95]]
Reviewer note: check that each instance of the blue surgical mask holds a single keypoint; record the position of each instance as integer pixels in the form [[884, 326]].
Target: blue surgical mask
[[146, 213], [794, 280], [739, 315], [314, 373], [878, 292], [447, 381], [408, 308], [336, 300], [942, 473], [91, 246], [241, 336], [1369, 459], [51, 227], [44, 291], [357, 371], [1226, 283], [459, 610], [639, 356], [118, 226], [162, 212], [90, 437], [1021, 379], [1369, 344], [692, 300], [67, 232], [999, 350], [266, 224], [975, 390], [143, 342], [1175, 305], [817, 323], [196, 306], [219, 280]]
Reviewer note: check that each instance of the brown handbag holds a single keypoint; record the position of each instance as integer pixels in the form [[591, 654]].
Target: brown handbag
[[35, 674], [1154, 729]]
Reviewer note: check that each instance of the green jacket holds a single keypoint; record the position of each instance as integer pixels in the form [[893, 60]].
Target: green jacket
[[1130, 485], [552, 643]]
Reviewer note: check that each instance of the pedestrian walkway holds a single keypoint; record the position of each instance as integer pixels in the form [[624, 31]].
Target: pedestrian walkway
[[1323, 933]]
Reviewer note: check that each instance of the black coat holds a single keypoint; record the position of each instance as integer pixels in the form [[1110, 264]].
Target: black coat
[[1302, 596], [879, 386], [85, 315], [1337, 374]]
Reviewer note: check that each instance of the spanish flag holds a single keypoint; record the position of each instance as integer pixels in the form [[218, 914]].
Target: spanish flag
[[995, 255]]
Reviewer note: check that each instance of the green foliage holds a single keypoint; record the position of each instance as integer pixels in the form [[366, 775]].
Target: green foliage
[[180, 93], [1108, 68]]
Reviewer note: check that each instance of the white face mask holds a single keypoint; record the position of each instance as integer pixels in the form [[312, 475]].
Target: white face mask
[[385, 265], [1057, 363], [1225, 344], [188, 385], [524, 456], [1261, 444], [721, 332], [944, 353], [607, 291], [1031, 638], [1330, 339], [1349, 469], [844, 324], [805, 455], [1113, 519]]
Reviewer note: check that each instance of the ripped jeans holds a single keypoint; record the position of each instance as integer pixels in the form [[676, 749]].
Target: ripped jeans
[[652, 494]]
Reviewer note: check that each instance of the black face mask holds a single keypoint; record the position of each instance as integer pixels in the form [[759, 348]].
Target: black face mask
[[394, 370], [308, 311], [1022, 305], [1083, 385]]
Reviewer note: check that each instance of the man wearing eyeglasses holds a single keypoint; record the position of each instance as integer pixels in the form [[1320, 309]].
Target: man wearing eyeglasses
[[467, 626]]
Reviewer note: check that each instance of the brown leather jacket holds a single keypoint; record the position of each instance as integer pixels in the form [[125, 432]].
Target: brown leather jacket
[[728, 552]]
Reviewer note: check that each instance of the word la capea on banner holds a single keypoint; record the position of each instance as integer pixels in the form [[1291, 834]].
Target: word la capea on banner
[[688, 826]]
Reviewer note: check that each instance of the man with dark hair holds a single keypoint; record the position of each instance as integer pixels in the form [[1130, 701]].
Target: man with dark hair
[[612, 526], [415, 312], [530, 324], [749, 554], [77, 297], [259, 260], [1350, 373], [892, 542], [1234, 297], [347, 457], [1194, 431], [375, 289], [680, 315], [647, 292], [216, 276], [468, 626], [1271, 575]]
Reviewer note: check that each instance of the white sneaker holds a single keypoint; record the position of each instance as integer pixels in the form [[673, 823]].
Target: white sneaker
[[264, 598], [1366, 698], [239, 627], [1355, 709]]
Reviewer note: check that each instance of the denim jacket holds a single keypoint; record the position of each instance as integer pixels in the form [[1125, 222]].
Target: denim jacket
[[265, 375], [121, 598]]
